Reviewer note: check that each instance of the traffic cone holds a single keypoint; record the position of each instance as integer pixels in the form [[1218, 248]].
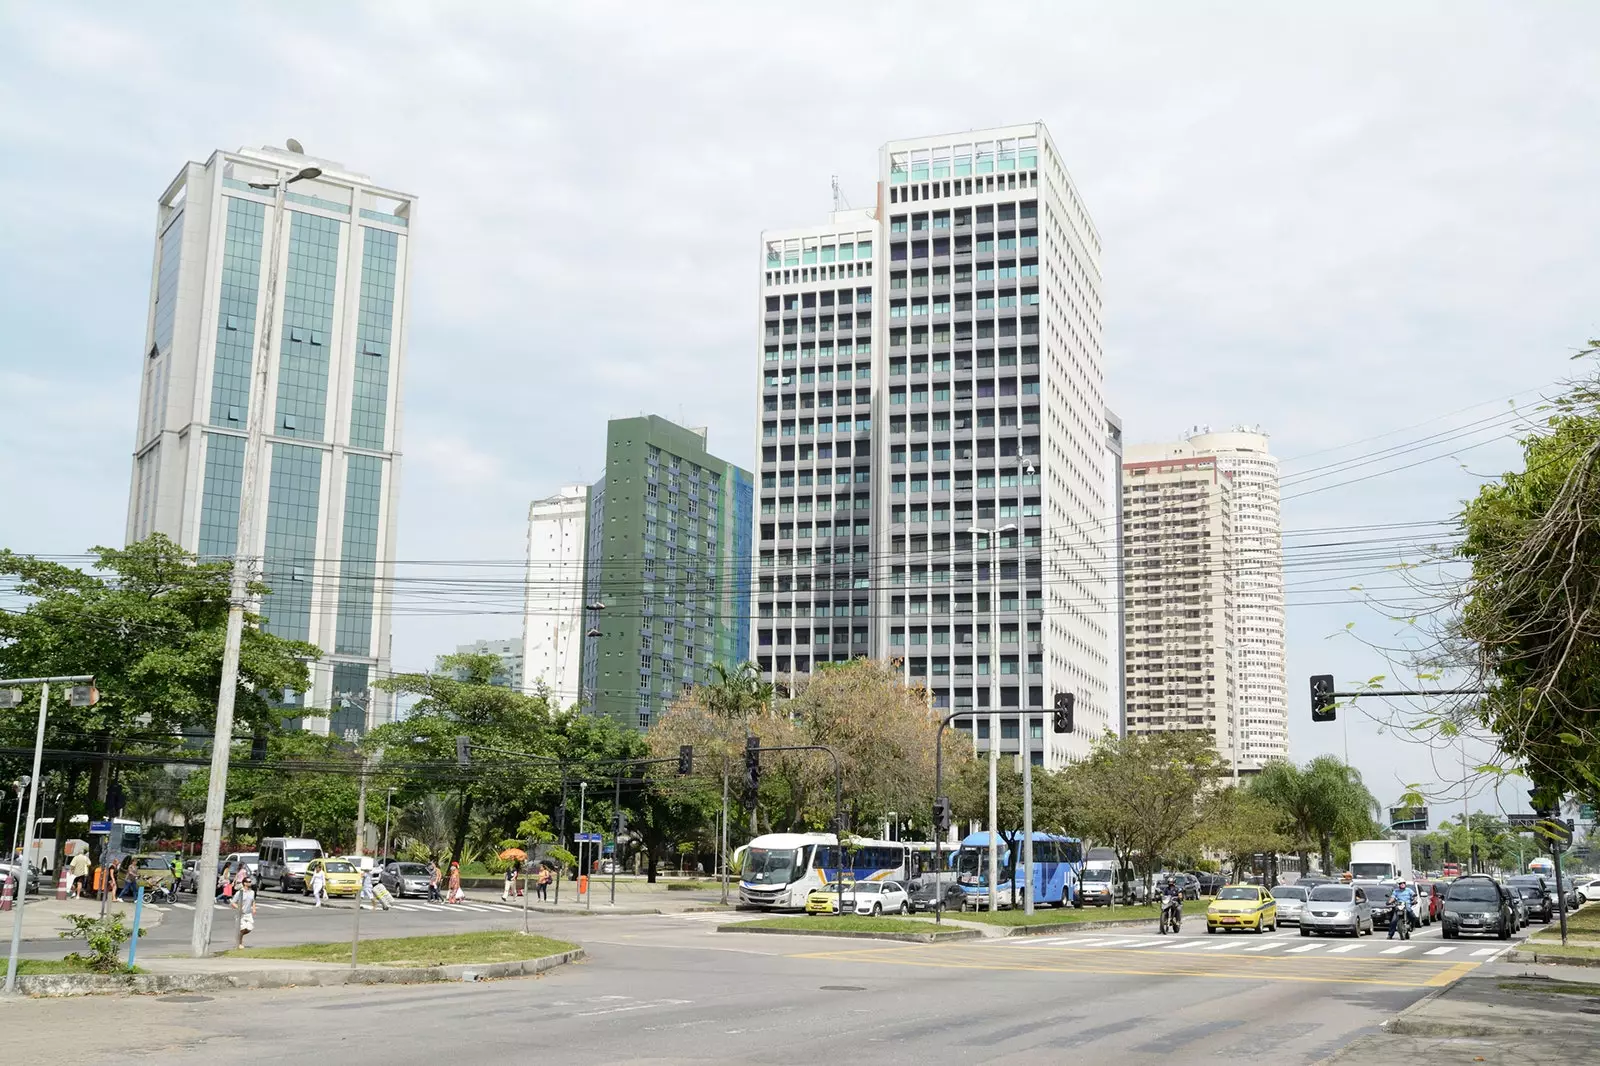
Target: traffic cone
[[64, 884]]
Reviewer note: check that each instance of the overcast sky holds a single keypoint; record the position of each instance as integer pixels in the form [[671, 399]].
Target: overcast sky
[[1372, 219]]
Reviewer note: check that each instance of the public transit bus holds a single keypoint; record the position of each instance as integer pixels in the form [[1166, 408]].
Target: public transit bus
[[1056, 863], [778, 870]]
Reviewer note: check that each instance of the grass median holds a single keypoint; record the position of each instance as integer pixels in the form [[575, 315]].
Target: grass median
[[36, 967], [848, 923], [1585, 921], [1072, 916], [461, 948]]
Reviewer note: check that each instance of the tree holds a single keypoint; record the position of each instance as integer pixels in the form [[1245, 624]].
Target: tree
[[1237, 823], [1526, 618], [1318, 804], [1141, 795], [149, 622]]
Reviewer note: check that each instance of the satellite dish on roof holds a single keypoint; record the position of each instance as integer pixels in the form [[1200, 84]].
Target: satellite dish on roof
[[294, 146]]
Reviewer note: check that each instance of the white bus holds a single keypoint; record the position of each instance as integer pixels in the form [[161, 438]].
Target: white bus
[[777, 871], [124, 840]]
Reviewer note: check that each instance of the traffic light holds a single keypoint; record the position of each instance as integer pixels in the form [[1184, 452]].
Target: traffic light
[[84, 696], [1475, 856], [1545, 803], [1322, 702], [464, 751], [1427, 855], [10, 697], [258, 748], [752, 766], [1065, 702], [942, 814], [1447, 856], [686, 759]]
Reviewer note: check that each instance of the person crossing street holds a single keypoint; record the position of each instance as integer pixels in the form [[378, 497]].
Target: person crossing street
[[319, 886]]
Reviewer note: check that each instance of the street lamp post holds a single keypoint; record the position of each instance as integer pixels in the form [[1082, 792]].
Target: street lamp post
[[991, 539], [588, 889], [388, 798], [239, 591], [21, 785]]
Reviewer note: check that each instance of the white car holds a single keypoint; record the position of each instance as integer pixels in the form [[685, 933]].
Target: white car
[[1291, 902], [1588, 889], [878, 897]]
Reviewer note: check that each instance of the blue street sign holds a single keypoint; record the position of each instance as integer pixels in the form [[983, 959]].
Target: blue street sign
[[587, 838], [99, 827]]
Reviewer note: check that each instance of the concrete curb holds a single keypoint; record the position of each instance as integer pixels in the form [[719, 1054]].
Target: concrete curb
[[853, 934], [55, 985], [1548, 958]]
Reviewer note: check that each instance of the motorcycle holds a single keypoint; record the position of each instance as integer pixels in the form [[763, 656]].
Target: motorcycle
[[1171, 915]]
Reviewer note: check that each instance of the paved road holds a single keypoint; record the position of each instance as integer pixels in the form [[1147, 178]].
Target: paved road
[[671, 989]]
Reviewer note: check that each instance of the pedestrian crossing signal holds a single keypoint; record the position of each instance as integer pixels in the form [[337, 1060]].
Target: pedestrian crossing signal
[[686, 759], [942, 814], [1323, 705]]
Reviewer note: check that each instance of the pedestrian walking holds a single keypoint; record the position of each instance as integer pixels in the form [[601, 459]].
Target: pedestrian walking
[[226, 880], [319, 886], [541, 884], [245, 901], [510, 888], [453, 893], [80, 870], [433, 882]]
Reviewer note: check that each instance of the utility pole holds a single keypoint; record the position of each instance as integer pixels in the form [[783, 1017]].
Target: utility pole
[[588, 894], [724, 829], [239, 591]]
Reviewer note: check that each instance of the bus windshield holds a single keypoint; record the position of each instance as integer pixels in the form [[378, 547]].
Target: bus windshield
[[975, 861], [773, 866]]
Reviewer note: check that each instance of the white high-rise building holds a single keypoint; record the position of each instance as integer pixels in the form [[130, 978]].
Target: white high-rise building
[[333, 410], [1178, 593], [933, 440], [1257, 568], [552, 617]]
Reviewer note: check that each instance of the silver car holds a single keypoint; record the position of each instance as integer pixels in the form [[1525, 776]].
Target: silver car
[[1291, 902], [1341, 909]]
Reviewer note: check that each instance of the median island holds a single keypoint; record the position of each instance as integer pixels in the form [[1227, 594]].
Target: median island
[[454, 950], [1074, 916]]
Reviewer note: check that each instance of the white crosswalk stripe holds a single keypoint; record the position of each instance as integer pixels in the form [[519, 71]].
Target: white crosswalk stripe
[[1341, 949], [1396, 950], [1488, 951], [1217, 947], [1439, 951], [1304, 948], [1262, 947]]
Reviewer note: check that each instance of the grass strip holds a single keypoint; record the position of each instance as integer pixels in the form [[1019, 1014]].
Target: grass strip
[[849, 923], [31, 967], [1559, 988], [453, 950], [1070, 915], [1546, 950]]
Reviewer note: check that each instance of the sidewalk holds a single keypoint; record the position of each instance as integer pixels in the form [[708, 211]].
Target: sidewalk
[[1494, 1018], [42, 919]]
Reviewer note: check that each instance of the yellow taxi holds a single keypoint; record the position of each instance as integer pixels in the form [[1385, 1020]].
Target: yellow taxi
[[1242, 907], [825, 900], [342, 877]]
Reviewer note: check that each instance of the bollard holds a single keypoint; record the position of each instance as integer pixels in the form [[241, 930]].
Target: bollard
[[583, 884], [5, 896], [138, 908], [64, 884]]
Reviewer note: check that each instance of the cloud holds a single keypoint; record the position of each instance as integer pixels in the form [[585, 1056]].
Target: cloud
[[1330, 222]]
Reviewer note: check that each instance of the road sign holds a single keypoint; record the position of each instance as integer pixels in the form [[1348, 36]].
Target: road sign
[[1524, 820], [1409, 818], [587, 838], [99, 827], [1557, 832]]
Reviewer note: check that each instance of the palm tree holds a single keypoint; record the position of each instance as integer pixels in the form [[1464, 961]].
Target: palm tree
[[740, 693], [1319, 802], [431, 822]]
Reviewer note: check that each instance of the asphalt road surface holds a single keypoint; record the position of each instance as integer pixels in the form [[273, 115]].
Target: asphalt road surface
[[671, 989]]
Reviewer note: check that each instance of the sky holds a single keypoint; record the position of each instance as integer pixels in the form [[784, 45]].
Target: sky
[[1362, 227]]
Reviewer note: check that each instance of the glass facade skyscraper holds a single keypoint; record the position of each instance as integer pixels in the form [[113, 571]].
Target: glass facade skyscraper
[[327, 530]]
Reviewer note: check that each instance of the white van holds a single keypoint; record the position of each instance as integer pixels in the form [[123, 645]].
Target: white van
[[282, 862]]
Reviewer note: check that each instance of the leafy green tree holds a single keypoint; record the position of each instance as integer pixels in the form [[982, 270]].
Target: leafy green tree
[[1527, 617], [1238, 823], [149, 622]]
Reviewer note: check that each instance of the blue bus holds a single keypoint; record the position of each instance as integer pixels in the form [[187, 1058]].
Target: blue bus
[[1056, 862]]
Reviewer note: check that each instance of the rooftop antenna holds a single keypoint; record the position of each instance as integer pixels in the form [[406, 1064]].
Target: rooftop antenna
[[839, 202], [294, 146]]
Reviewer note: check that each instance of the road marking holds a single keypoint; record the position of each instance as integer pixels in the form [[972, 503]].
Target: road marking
[[1342, 949], [1439, 951], [1217, 947], [1262, 947], [1303, 948], [1396, 950], [1487, 951], [1176, 944]]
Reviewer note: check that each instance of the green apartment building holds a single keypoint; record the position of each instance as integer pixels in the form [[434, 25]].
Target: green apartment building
[[667, 551]]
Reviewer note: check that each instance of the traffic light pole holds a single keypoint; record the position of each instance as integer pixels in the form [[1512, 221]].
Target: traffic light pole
[[838, 800]]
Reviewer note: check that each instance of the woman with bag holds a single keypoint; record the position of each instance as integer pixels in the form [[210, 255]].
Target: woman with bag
[[454, 894]]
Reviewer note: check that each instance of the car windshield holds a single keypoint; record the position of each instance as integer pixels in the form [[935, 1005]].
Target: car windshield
[[1097, 875], [1238, 892], [867, 887], [412, 869], [1332, 894], [339, 868], [300, 854], [1530, 891], [774, 866], [1289, 893], [154, 862], [1473, 893]]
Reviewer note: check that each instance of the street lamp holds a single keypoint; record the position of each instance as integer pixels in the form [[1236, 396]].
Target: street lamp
[[244, 544], [991, 540], [21, 785]]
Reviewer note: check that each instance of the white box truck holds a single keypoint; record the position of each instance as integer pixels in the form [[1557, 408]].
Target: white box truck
[[1380, 860]]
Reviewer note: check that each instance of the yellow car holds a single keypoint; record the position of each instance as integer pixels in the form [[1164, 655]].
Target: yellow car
[[343, 879], [825, 900], [1242, 907]]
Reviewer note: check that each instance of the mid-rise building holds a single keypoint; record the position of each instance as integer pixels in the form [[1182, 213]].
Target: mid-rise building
[[508, 651], [1178, 593], [1255, 553], [933, 439], [317, 289], [552, 618], [655, 574]]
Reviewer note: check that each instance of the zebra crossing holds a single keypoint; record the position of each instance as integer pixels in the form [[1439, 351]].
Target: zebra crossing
[[263, 903], [1291, 945]]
